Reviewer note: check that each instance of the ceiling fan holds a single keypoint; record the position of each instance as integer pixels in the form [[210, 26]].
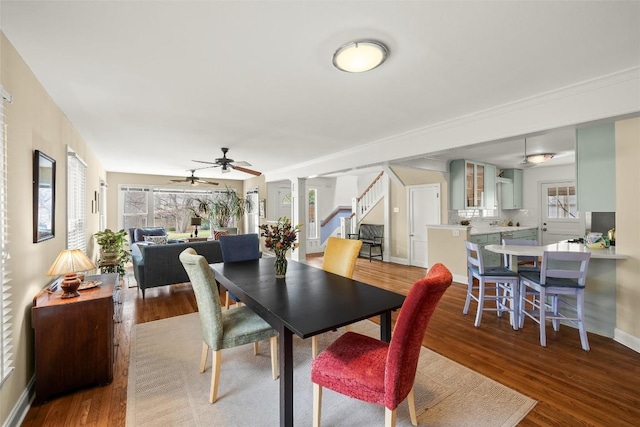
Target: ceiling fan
[[194, 180], [227, 164]]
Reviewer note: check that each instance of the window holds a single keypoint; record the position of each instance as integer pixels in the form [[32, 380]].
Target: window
[[76, 202], [6, 328], [148, 206], [312, 214], [562, 202]]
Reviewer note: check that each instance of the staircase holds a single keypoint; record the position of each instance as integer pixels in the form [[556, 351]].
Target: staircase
[[362, 205]]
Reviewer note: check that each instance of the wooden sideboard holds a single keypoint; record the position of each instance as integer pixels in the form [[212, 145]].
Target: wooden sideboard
[[75, 338]]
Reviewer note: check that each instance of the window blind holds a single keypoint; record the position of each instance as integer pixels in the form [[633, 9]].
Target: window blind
[[76, 202], [6, 339]]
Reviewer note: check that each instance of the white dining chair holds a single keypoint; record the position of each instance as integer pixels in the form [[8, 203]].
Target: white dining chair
[[505, 287], [562, 274]]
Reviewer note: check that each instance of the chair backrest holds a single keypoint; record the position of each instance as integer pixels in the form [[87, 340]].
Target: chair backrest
[[239, 247], [406, 341], [474, 257], [520, 242], [204, 286], [340, 256], [565, 265]]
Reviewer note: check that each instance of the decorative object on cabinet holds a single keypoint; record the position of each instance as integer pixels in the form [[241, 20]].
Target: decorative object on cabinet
[[81, 353], [44, 196], [68, 263]]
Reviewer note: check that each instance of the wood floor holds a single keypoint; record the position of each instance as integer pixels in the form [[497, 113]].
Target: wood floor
[[572, 387]]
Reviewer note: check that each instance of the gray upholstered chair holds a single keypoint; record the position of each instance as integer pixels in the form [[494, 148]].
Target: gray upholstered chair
[[236, 248], [223, 329]]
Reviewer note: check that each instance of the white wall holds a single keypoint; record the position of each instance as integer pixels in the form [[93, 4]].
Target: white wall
[[531, 180], [346, 187]]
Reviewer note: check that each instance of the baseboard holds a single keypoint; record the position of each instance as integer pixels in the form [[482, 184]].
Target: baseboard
[[460, 279], [402, 261], [627, 339], [20, 410]]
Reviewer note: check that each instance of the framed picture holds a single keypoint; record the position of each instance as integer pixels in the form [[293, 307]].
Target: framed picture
[[261, 207], [44, 197]]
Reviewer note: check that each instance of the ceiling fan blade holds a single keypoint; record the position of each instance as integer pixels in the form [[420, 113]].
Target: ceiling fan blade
[[241, 163], [245, 170], [179, 180], [204, 161], [202, 181]]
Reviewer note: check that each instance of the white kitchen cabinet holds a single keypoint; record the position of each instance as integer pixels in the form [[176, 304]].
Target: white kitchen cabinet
[[596, 168], [511, 189], [467, 184]]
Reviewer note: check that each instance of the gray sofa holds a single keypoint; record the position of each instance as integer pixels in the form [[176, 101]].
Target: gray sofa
[[159, 265]]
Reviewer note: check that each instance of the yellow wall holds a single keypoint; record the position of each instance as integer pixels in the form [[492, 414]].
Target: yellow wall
[[34, 122], [628, 230], [449, 249]]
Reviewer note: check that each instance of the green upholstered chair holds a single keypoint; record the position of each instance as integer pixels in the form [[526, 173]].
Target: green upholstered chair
[[223, 329]]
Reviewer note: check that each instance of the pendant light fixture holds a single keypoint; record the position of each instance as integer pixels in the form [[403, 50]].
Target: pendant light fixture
[[535, 159]]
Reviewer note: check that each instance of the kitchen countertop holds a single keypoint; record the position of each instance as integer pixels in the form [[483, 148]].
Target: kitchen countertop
[[483, 229], [606, 253], [497, 229]]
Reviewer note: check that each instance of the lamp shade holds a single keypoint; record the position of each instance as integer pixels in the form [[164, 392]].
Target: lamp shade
[[196, 220], [70, 261]]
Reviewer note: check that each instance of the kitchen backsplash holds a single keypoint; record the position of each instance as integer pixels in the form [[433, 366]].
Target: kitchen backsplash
[[526, 218]]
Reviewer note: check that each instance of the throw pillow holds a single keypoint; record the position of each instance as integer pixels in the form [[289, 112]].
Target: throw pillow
[[158, 240]]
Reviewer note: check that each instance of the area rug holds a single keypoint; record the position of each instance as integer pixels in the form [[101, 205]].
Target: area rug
[[166, 389]]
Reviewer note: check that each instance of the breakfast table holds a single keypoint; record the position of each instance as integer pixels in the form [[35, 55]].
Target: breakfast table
[[600, 290]]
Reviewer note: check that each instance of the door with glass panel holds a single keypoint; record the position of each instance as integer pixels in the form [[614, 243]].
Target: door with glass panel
[[559, 218]]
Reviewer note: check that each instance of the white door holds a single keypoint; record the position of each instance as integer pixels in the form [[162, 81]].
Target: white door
[[252, 214], [560, 219], [424, 209]]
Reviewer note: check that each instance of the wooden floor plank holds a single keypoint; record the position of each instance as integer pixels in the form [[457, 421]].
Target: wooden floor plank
[[573, 387]]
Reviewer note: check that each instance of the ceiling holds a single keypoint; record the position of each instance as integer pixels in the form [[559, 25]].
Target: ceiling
[[152, 86]]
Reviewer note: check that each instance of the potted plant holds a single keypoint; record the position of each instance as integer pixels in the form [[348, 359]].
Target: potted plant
[[112, 251], [223, 209]]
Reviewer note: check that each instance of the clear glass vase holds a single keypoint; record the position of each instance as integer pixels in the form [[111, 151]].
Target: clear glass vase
[[280, 264]]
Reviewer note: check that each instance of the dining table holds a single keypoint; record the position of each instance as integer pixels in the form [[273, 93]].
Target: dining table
[[307, 302]]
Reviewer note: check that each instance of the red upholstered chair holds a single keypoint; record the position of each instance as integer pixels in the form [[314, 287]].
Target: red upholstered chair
[[375, 371]]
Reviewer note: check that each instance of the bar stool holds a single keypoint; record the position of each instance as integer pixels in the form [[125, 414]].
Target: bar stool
[[506, 287], [561, 274]]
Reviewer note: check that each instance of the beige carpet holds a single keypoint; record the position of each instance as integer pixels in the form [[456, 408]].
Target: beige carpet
[[166, 389]]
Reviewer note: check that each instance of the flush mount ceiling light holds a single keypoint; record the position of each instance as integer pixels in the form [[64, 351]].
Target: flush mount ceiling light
[[360, 56]]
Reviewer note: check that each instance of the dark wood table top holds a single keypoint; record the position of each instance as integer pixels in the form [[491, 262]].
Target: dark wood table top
[[309, 301]]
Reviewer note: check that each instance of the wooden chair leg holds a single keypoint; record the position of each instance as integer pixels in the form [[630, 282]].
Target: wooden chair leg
[[203, 358], [227, 301], [412, 407], [317, 404], [255, 348], [347, 328], [314, 347], [215, 376], [389, 417], [274, 357]]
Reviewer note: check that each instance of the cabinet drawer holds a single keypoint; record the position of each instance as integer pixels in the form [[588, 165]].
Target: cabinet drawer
[[493, 238], [478, 238]]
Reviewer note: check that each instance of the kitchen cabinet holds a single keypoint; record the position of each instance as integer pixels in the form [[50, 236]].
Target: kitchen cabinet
[[596, 168], [490, 198], [491, 259], [526, 234], [511, 189], [467, 184]]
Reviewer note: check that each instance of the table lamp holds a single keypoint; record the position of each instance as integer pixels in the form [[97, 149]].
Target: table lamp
[[196, 221], [68, 263]]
